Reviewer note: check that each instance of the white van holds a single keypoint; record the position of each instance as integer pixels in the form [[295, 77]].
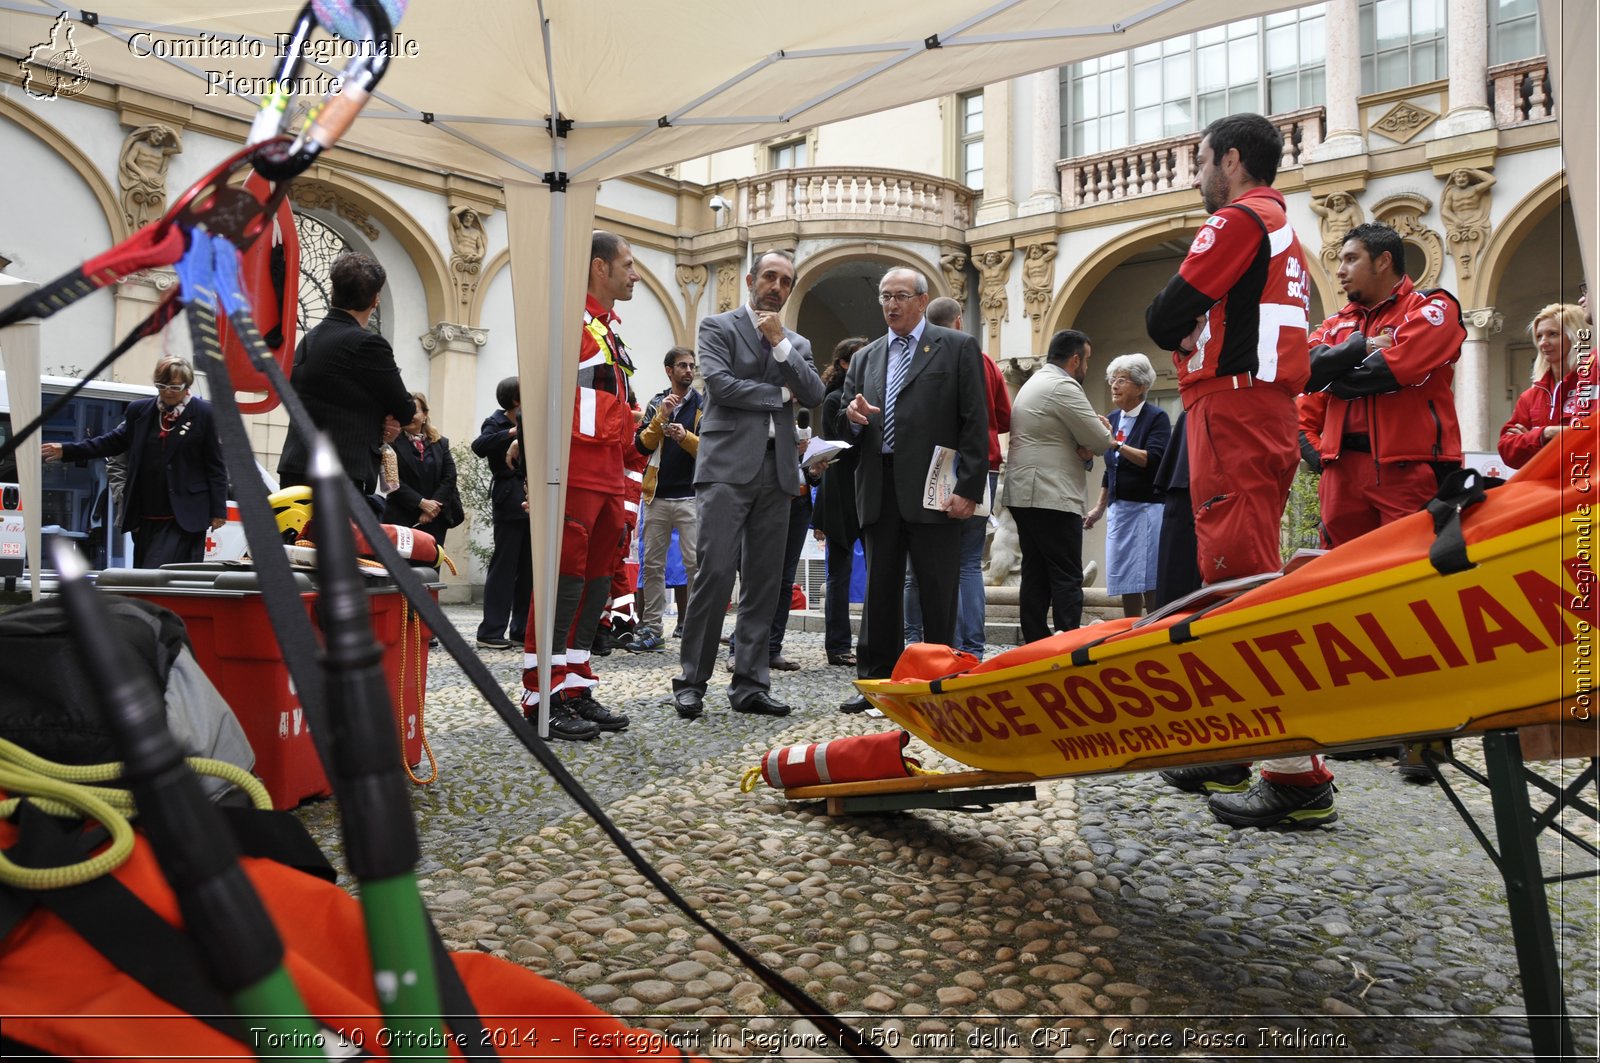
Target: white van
[[77, 497]]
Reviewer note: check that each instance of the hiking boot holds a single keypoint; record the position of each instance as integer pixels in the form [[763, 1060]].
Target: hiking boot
[[1271, 804], [603, 642], [1222, 779], [564, 723], [645, 641], [591, 710]]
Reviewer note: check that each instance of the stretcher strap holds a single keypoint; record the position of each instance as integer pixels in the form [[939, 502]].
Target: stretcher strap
[[1459, 491]]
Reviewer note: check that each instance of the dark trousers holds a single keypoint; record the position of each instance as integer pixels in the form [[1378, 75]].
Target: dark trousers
[[1052, 570], [508, 585], [836, 603], [799, 528], [163, 542], [935, 554], [1178, 563]]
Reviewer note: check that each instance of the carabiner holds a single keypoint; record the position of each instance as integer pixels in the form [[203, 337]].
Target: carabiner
[[330, 118]]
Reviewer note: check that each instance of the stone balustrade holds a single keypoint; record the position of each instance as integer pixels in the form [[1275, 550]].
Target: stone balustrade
[[1164, 165], [1521, 92], [854, 192]]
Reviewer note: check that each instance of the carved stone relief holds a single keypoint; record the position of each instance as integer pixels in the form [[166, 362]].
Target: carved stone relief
[[727, 287], [954, 268], [310, 196], [691, 282], [1403, 213], [1403, 121], [142, 172], [1338, 213], [994, 270], [468, 243], [1464, 206], [1038, 281]]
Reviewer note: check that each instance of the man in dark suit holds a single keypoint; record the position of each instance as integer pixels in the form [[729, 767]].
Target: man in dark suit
[[347, 378], [757, 374], [916, 387], [509, 582], [177, 487]]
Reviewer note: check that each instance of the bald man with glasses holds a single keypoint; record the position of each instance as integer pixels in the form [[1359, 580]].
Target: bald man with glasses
[[916, 387]]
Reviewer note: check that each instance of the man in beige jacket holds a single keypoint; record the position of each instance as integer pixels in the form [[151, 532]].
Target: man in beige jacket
[[1054, 435]]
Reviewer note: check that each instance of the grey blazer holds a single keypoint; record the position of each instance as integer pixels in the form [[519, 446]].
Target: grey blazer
[[941, 403], [1050, 419], [744, 393]]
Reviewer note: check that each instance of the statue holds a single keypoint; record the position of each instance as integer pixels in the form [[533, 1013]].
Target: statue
[[954, 268], [994, 269], [1038, 281], [1464, 206], [1339, 213], [142, 172], [468, 241]]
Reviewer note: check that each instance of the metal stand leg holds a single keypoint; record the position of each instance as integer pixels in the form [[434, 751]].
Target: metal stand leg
[[1525, 897]]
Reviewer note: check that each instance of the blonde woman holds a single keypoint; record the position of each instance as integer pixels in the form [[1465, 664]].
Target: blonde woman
[[1563, 383], [426, 497]]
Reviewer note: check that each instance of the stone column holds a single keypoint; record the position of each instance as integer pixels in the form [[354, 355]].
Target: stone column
[[452, 378], [1044, 181], [1472, 379], [1469, 70], [997, 204], [1343, 74]]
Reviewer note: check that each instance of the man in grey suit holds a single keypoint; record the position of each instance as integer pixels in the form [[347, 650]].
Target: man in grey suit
[[757, 374], [916, 387]]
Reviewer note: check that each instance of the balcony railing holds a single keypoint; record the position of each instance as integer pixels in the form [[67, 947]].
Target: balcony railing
[[853, 192], [1521, 92], [1164, 165]]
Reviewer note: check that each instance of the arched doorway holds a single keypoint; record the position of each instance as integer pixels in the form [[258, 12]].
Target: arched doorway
[[842, 302]]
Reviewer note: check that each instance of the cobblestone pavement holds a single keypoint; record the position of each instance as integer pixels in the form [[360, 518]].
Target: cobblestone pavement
[[1112, 916]]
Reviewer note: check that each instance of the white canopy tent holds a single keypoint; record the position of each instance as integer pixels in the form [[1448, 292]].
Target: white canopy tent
[[645, 84]]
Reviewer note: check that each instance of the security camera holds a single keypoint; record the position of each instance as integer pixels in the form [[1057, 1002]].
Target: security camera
[[719, 204]]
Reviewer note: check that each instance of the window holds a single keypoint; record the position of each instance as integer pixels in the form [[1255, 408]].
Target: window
[[1514, 32], [969, 139], [788, 155], [1402, 43], [1180, 85]]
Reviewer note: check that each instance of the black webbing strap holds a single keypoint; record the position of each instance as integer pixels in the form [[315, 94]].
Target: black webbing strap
[[279, 837], [121, 927], [473, 667], [1460, 490]]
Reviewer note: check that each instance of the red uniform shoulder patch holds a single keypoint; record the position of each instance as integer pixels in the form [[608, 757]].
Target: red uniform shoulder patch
[[1203, 240]]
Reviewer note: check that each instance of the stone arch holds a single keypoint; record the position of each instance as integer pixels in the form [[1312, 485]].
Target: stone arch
[[413, 239], [491, 268], [1508, 236], [816, 266], [74, 157], [1099, 264], [659, 290]]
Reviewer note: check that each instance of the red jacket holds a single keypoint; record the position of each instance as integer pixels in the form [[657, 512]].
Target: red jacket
[[994, 384], [1399, 397], [1246, 273], [602, 420], [1546, 403]]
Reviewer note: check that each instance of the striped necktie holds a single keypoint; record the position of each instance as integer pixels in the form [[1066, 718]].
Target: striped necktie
[[899, 362]]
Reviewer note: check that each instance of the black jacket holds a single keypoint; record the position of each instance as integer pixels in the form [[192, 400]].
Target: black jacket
[[509, 487], [835, 512], [430, 475], [348, 379], [197, 480], [1152, 432]]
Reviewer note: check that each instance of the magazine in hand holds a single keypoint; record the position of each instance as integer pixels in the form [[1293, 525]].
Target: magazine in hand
[[941, 482]]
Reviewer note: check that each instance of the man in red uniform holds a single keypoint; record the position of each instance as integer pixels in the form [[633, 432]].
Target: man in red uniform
[[602, 424], [1379, 402], [1235, 318]]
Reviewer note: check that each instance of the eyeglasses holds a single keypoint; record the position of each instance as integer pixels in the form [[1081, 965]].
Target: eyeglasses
[[172, 388], [684, 365], [896, 297]]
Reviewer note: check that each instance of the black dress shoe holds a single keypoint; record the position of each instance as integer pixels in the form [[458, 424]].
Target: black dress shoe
[[842, 658], [689, 702], [761, 704], [859, 703]]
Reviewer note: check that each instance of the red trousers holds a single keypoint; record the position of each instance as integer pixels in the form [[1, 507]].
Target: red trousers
[[589, 538], [1358, 495], [1242, 457]]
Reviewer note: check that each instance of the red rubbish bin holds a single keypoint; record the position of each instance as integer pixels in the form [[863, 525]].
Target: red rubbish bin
[[234, 645]]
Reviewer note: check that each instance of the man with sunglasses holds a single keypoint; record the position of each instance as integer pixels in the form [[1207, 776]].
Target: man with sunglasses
[[177, 487]]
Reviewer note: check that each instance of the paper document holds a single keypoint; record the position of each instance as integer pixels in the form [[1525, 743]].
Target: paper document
[[942, 482], [823, 449]]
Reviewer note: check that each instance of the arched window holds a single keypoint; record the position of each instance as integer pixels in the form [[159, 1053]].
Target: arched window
[[320, 244]]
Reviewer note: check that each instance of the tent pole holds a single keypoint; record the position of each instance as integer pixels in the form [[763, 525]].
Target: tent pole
[[557, 406]]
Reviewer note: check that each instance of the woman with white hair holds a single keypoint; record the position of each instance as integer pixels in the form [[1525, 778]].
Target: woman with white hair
[[1563, 383], [1129, 498]]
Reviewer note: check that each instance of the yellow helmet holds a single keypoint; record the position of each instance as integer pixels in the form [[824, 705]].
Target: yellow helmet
[[292, 508]]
